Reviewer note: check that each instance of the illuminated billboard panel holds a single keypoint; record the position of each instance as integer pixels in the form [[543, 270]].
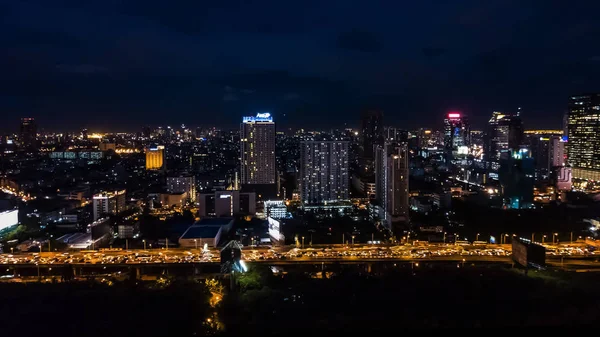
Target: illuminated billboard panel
[[9, 218]]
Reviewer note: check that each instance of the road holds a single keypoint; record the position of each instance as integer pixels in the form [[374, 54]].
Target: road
[[287, 255]]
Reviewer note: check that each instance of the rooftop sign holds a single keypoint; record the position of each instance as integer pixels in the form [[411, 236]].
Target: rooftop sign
[[260, 117]]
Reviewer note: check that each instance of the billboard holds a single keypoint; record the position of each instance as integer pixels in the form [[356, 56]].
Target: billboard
[[275, 231], [9, 218], [563, 179], [528, 254]]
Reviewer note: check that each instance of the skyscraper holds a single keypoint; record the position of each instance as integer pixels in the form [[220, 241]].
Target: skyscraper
[[258, 166], [457, 135], [323, 170], [372, 131], [504, 132], [28, 134], [583, 144], [155, 157], [556, 152], [516, 176], [391, 181]]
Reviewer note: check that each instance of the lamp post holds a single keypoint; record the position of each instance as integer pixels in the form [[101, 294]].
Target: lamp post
[[554, 235], [477, 237], [196, 243], [444, 237], [532, 237], [144, 241], [543, 238], [505, 236], [501, 238], [303, 242]]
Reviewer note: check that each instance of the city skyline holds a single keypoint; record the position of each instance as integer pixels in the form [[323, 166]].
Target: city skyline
[[74, 67]]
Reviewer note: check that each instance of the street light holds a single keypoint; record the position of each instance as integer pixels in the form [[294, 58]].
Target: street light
[[553, 235], [303, 242], [353, 240], [444, 237], [196, 243], [477, 237], [543, 238], [144, 241]]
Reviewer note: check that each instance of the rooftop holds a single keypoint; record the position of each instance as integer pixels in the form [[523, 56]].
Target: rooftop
[[214, 222], [201, 232]]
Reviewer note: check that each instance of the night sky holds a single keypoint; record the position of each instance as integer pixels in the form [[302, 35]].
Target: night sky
[[117, 65]]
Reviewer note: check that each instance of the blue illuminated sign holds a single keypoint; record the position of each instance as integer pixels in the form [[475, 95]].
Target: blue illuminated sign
[[260, 117]]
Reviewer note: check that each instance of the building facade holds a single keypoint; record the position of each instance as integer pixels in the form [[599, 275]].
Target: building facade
[[517, 176], [391, 182], [258, 167], [111, 202], [226, 204], [155, 157], [183, 184], [583, 145], [323, 170], [504, 131]]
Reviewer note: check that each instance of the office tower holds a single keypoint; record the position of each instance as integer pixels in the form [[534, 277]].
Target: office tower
[[155, 157], [504, 132], [556, 152], [391, 182], [372, 131], [108, 202], [457, 135], [258, 167], [323, 170], [182, 184], [583, 146], [516, 176], [28, 134]]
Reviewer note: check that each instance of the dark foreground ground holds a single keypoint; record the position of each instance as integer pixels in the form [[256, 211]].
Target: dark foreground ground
[[296, 304]]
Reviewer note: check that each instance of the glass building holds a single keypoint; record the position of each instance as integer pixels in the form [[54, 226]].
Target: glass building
[[583, 142]]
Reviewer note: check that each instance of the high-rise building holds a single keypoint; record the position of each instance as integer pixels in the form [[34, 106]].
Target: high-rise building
[[155, 157], [583, 144], [108, 202], [504, 132], [457, 135], [372, 131], [323, 170], [516, 176], [182, 184], [28, 134], [556, 152], [258, 167], [391, 181]]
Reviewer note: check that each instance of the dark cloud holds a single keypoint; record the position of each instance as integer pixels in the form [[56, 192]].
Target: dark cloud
[[211, 62], [359, 41]]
